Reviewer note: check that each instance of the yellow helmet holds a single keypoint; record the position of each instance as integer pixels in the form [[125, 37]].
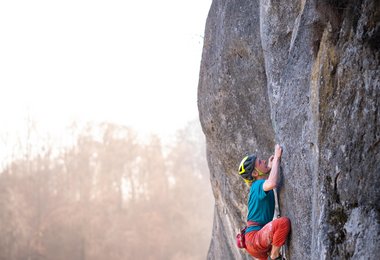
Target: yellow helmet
[[246, 168]]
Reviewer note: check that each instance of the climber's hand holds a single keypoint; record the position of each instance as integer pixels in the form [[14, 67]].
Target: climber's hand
[[277, 151]]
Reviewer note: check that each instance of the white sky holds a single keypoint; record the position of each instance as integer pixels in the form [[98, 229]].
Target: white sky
[[134, 63]]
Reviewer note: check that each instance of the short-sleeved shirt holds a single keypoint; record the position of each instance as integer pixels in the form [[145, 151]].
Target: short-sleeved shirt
[[260, 205]]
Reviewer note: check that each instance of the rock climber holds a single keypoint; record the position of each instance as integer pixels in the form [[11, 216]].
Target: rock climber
[[264, 235]]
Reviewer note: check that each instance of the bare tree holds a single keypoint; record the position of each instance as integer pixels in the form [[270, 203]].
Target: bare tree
[[108, 197]]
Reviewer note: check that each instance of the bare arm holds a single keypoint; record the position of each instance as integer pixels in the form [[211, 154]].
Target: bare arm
[[274, 175]]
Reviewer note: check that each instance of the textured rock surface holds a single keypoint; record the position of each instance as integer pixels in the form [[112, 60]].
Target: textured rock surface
[[305, 74]]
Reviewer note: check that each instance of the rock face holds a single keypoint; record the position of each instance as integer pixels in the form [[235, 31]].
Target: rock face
[[305, 74]]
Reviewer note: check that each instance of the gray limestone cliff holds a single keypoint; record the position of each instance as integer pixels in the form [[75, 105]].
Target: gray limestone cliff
[[305, 74]]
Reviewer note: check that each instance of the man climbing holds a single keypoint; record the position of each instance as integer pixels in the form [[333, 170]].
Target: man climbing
[[264, 235]]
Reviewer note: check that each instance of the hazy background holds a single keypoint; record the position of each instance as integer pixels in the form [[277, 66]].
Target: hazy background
[[102, 156]]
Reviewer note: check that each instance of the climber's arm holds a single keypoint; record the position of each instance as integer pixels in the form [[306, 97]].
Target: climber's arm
[[273, 178]]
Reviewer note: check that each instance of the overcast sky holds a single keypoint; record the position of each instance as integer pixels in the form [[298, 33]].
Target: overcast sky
[[134, 63]]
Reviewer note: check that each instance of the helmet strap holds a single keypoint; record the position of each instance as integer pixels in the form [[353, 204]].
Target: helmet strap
[[260, 172]]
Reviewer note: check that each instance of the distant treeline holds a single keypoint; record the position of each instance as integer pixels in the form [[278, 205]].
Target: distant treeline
[[109, 196]]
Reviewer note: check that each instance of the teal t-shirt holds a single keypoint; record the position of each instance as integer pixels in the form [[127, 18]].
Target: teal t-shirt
[[260, 205]]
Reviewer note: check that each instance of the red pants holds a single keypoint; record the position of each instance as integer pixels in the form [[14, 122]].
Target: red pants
[[260, 242]]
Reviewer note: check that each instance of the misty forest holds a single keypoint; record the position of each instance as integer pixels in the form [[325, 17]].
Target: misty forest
[[108, 195]]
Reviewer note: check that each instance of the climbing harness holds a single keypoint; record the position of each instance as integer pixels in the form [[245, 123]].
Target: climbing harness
[[277, 205]]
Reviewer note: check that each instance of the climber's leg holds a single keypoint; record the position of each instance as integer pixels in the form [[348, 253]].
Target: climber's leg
[[275, 252], [269, 239], [280, 229]]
